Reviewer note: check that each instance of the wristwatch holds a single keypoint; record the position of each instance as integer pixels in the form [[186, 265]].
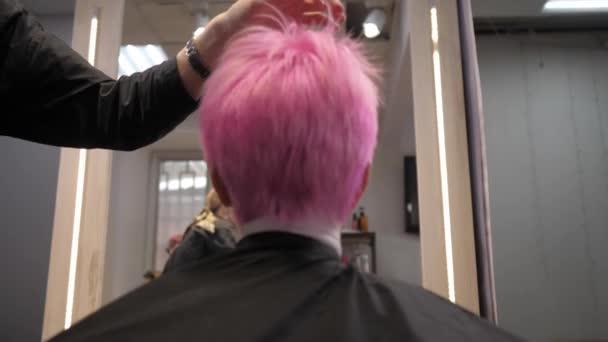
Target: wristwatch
[[196, 61]]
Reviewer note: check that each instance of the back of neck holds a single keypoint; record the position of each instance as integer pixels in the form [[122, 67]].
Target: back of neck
[[325, 233]]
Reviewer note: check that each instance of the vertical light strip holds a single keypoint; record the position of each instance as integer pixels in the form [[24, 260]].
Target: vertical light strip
[[445, 194], [82, 164], [93, 39]]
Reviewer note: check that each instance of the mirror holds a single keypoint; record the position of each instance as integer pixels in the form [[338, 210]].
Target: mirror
[[158, 190]]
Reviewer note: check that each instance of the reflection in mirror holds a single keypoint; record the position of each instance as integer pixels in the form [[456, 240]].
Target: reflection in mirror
[[544, 77], [182, 185], [158, 190]]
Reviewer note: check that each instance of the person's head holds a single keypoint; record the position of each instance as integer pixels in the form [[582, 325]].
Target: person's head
[[215, 205], [289, 124]]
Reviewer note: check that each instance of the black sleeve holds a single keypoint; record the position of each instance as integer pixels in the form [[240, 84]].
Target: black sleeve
[[52, 95]]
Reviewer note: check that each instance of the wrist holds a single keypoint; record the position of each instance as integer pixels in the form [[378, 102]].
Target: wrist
[[196, 61], [191, 80], [205, 48], [206, 44], [209, 45], [210, 42]]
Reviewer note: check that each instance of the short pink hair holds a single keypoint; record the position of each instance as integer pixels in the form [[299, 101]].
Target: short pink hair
[[289, 122]]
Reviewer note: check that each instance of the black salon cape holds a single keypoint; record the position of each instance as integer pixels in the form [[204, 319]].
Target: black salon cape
[[280, 287], [50, 94], [199, 244]]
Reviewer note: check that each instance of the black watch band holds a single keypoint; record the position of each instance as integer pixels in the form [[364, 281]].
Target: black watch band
[[196, 61]]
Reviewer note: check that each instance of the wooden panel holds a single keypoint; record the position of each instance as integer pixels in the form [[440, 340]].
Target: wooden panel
[[432, 233], [434, 275], [92, 246], [461, 211], [89, 266], [59, 260], [92, 243]]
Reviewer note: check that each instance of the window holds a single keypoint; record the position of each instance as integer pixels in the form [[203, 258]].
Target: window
[[182, 186]]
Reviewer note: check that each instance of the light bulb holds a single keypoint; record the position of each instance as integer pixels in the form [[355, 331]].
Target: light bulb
[[374, 23], [371, 30]]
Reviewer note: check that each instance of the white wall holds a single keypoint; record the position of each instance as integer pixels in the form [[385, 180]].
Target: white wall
[[59, 25], [398, 253], [126, 239], [28, 183], [130, 223], [546, 127]]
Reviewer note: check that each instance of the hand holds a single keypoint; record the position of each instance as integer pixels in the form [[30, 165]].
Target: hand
[[243, 13], [210, 44]]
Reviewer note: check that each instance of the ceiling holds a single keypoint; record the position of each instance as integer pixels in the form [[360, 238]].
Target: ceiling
[[169, 23], [481, 8], [524, 16], [507, 8], [49, 7], [485, 8]]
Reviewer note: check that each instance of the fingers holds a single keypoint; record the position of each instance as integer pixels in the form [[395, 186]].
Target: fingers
[[307, 12], [320, 9], [243, 13], [337, 11], [317, 12]]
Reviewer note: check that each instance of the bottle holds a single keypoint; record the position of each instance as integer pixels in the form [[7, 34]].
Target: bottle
[[363, 221], [355, 223]]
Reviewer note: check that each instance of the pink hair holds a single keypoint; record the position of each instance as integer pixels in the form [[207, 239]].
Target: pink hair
[[289, 122]]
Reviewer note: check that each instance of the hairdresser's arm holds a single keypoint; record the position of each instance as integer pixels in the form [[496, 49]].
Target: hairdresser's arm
[[51, 95]]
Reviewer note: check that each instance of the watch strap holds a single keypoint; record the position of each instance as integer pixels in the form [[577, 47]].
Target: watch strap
[[196, 61]]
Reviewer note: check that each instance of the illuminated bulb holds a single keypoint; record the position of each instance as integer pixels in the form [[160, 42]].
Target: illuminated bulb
[[575, 5], [372, 27], [371, 30]]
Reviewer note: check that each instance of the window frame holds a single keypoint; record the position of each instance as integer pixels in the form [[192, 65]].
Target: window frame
[[156, 158]]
